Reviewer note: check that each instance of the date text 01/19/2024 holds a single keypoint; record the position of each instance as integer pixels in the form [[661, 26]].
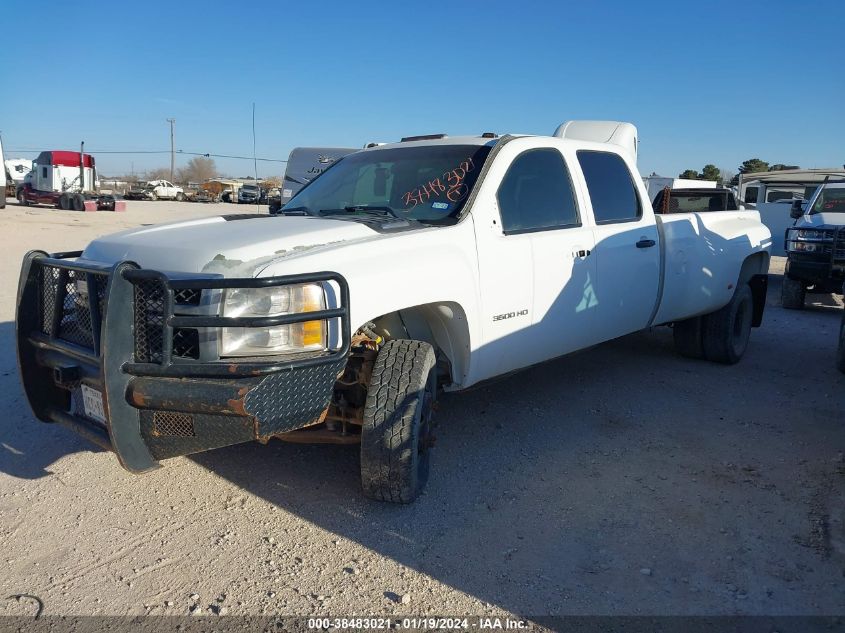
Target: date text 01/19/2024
[[417, 623]]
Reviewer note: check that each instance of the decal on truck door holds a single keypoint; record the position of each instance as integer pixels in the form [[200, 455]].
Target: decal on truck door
[[510, 315]]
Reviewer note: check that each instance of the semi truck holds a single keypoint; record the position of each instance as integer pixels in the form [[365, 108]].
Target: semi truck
[[434, 263], [65, 180]]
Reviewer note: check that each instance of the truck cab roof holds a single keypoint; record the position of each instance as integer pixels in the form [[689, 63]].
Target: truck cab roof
[[621, 134]]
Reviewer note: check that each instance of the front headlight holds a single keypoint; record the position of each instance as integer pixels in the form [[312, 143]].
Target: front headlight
[[806, 247], [280, 339], [808, 234]]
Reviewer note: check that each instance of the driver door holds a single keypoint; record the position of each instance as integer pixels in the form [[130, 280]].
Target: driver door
[[535, 261]]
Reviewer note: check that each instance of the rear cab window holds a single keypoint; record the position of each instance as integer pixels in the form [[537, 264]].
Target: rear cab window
[[612, 191]]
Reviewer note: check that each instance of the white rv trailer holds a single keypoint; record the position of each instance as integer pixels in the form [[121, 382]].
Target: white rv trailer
[[18, 168]]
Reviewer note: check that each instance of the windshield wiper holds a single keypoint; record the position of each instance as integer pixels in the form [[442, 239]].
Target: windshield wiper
[[294, 211], [363, 208]]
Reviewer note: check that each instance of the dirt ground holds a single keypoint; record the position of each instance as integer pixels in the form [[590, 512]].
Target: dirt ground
[[621, 480]]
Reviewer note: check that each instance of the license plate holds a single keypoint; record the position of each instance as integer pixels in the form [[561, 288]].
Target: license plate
[[92, 401]]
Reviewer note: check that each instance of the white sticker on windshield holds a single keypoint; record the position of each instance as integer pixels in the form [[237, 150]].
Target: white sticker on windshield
[[286, 193], [439, 205]]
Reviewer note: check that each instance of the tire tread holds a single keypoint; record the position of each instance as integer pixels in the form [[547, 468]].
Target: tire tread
[[388, 465], [717, 329]]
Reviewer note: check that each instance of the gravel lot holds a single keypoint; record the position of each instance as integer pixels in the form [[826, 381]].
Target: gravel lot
[[621, 480]]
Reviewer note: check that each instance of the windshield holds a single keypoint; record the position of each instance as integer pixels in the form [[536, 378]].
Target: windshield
[[830, 200], [427, 183]]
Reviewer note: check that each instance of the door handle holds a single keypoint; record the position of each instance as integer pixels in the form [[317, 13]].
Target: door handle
[[646, 243], [584, 252]]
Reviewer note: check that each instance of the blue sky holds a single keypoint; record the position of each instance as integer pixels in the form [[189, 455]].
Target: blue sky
[[715, 82]]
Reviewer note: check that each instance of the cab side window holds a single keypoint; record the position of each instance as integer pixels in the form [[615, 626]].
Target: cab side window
[[611, 187], [536, 193], [751, 195]]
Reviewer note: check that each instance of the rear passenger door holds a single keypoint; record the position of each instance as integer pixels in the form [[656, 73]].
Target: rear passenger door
[[627, 249]]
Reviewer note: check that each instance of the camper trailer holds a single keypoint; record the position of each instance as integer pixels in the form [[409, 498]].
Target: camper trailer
[[304, 165]]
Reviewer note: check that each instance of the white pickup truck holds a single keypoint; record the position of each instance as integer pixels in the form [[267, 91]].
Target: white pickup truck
[[157, 190], [432, 263]]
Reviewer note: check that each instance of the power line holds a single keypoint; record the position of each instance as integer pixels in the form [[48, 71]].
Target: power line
[[159, 151]]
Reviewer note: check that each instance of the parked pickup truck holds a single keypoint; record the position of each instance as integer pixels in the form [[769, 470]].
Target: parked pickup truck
[[694, 200], [431, 263], [815, 245]]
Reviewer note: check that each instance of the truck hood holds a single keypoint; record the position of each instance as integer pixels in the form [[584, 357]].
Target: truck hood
[[234, 246], [822, 219]]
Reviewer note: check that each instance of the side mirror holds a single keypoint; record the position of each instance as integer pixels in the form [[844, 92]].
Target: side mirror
[[797, 209]]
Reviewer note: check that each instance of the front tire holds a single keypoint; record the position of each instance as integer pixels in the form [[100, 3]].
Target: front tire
[[725, 332], [792, 294], [180, 196], [396, 435], [78, 202], [22, 199]]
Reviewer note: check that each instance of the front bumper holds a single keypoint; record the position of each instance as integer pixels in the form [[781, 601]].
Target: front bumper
[[818, 271], [823, 268], [116, 329]]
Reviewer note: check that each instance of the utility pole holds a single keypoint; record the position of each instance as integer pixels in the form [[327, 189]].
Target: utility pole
[[172, 155]]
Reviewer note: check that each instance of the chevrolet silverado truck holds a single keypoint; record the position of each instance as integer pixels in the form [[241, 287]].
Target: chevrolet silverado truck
[[815, 245], [434, 263]]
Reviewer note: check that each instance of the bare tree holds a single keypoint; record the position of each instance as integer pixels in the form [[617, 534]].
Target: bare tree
[[159, 173], [198, 169], [727, 174], [272, 182]]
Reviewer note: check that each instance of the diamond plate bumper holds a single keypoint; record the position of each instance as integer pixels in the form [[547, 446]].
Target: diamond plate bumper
[[156, 405]]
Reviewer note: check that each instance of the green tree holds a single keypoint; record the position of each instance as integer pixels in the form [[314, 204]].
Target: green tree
[[753, 165], [689, 174], [781, 167], [710, 172]]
